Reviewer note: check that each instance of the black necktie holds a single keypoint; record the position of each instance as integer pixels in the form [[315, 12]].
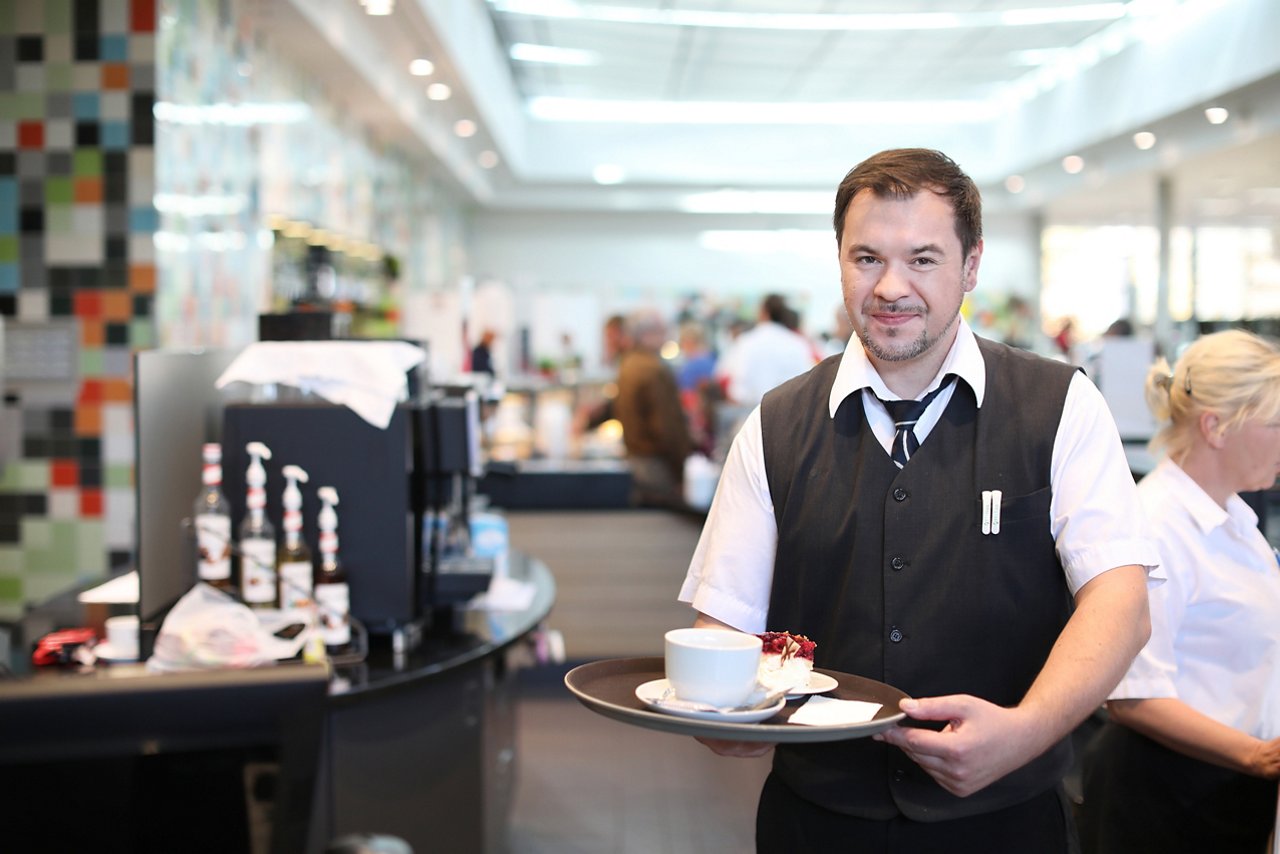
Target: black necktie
[[905, 414]]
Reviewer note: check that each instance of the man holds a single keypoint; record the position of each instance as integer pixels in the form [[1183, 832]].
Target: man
[[766, 355], [647, 404], [1006, 636]]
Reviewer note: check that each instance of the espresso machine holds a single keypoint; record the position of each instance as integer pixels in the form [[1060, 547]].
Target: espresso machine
[[405, 495]]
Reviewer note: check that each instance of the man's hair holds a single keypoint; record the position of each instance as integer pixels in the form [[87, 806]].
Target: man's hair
[[774, 307], [901, 173]]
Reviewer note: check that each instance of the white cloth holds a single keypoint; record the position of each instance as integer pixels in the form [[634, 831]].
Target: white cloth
[[764, 356], [1215, 624], [1092, 514], [367, 376]]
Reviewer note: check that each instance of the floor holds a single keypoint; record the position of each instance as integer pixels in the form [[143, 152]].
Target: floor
[[591, 785]]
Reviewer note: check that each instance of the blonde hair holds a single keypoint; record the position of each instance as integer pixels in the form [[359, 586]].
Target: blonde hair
[[1233, 374]]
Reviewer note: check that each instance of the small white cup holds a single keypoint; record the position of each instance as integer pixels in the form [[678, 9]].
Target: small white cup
[[714, 666], [122, 636]]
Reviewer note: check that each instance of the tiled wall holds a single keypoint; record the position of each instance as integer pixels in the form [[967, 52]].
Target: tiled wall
[[77, 82], [83, 160]]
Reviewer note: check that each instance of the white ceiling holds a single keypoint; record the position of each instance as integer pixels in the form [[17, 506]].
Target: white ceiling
[[849, 76]]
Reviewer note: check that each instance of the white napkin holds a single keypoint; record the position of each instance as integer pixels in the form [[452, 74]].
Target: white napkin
[[367, 376], [828, 711]]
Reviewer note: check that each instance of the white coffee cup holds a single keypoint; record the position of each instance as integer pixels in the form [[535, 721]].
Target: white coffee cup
[[122, 636], [714, 666]]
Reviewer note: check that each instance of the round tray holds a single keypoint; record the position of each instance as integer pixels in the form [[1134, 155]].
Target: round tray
[[609, 688]]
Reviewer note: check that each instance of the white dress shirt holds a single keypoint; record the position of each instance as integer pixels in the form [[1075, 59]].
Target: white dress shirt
[[1093, 515], [765, 356], [1215, 624]]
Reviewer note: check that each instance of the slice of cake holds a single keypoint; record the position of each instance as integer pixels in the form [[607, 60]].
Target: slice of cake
[[786, 661]]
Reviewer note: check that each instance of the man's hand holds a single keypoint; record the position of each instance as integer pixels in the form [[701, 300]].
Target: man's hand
[[739, 749], [1265, 760], [981, 742]]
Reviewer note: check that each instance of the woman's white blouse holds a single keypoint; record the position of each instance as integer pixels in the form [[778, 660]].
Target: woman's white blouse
[[1215, 622]]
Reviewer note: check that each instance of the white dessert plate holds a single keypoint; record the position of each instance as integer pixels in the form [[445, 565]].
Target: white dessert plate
[[654, 692], [819, 683]]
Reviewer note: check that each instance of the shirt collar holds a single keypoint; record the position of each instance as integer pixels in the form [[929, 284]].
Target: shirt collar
[[1204, 511], [856, 372]]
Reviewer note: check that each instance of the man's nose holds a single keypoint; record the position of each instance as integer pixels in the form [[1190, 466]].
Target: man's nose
[[894, 283]]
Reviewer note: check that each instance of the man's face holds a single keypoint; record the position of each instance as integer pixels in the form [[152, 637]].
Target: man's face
[[903, 273]]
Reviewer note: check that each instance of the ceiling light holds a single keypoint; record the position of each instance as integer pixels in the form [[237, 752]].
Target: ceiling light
[[522, 52], [817, 21], [608, 173], [379, 7], [761, 113], [1144, 139], [1015, 184], [758, 201], [439, 92], [421, 67], [487, 159], [1072, 163], [1216, 115], [464, 128]]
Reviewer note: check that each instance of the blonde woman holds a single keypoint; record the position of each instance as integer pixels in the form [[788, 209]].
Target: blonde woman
[[1191, 755]]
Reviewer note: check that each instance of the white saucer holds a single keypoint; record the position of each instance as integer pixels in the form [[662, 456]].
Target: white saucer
[[107, 652], [819, 683], [652, 693]]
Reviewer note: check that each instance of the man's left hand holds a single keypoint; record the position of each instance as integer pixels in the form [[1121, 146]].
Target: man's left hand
[[980, 743]]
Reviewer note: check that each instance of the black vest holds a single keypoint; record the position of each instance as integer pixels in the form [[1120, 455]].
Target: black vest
[[889, 572]]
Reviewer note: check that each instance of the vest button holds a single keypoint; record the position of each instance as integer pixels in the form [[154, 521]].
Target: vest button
[[897, 563], [900, 494], [895, 635]]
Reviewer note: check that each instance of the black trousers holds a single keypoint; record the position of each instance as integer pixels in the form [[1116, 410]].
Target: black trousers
[[1140, 796], [786, 823]]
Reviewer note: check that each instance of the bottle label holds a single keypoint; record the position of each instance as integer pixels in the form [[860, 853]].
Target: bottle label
[[213, 547], [334, 601], [295, 584], [258, 571]]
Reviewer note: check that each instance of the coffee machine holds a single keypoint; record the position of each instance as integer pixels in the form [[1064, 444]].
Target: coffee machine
[[405, 494]]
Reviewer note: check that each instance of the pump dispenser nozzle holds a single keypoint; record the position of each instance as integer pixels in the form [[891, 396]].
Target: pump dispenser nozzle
[[256, 476]]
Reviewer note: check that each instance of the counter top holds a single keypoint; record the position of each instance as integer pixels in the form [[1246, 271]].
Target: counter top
[[475, 634]]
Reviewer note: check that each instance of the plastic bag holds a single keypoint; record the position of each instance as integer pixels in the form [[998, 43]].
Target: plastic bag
[[208, 629]]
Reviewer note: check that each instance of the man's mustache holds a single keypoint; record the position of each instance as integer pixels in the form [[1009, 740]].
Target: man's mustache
[[877, 307]]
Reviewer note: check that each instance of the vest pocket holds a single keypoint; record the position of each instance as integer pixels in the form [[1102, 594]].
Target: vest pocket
[[1033, 505]]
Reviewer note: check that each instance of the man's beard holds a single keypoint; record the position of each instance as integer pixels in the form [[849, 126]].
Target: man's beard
[[907, 350]]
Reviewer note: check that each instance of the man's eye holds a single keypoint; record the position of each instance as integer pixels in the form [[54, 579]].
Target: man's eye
[[923, 262], [864, 259]]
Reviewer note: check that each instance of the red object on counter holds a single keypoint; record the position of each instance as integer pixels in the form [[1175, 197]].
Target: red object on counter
[[59, 647]]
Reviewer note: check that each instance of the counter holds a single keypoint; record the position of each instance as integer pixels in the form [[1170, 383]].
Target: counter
[[417, 744]]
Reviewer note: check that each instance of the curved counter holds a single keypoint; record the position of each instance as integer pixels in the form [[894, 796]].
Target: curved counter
[[417, 744]]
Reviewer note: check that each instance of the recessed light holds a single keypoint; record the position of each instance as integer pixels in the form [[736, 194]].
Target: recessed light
[[464, 128], [1072, 163], [379, 7], [1015, 184], [1216, 115], [608, 173], [1144, 139], [422, 67], [487, 159], [439, 92]]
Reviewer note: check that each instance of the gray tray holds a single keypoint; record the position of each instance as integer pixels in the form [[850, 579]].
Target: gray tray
[[609, 688]]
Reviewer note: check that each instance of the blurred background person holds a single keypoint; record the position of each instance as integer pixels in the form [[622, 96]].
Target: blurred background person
[[766, 355], [696, 381], [1190, 757], [482, 353], [647, 405]]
